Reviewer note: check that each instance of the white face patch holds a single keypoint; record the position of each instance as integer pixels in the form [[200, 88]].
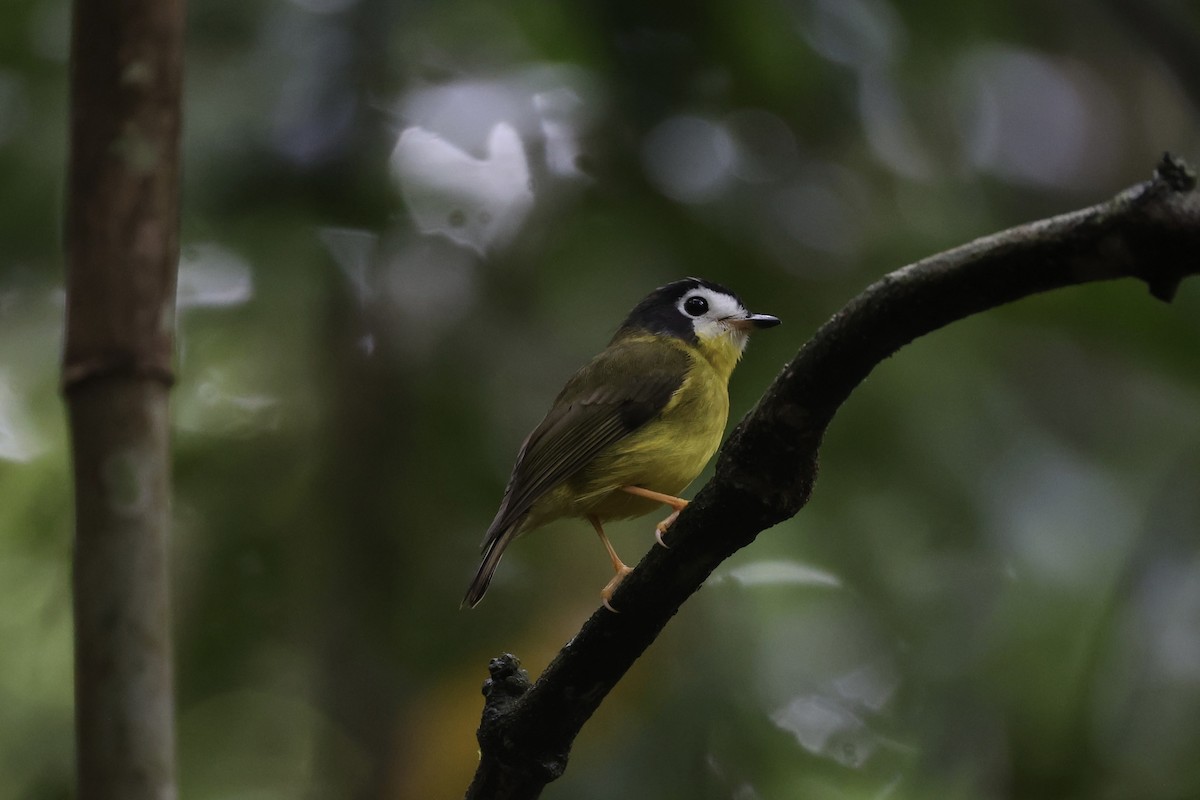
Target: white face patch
[[711, 311]]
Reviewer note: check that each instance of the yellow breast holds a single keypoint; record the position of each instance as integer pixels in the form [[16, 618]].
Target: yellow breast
[[669, 451]]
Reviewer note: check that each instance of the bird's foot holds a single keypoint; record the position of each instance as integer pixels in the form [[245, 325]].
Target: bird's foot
[[666, 524], [662, 528], [607, 592], [677, 503]]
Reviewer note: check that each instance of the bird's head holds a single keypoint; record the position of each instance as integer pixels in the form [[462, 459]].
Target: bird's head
[[694, 309], [701, 313]]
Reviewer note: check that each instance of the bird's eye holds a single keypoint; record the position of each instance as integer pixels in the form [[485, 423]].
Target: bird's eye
[[695, 305]]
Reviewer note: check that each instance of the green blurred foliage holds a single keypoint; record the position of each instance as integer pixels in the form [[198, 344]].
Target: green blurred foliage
[[995, 591]]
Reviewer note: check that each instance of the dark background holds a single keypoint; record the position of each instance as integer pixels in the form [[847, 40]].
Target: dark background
[[996, 589]]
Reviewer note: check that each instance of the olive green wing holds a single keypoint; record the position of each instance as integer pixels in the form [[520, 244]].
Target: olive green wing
[[617, 392]]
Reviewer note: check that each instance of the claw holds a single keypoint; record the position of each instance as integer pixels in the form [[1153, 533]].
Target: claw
[[607, 592], [664, 526]]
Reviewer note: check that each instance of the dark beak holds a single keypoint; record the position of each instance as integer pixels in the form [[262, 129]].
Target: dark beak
[[754, 322]]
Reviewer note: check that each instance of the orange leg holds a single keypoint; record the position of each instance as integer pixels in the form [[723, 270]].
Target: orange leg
[[622, 570], [677, 503]]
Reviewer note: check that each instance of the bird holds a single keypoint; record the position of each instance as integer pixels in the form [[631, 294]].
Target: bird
[[633, 427]]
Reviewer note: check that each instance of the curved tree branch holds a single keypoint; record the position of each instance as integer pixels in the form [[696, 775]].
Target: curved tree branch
[[766, 470]]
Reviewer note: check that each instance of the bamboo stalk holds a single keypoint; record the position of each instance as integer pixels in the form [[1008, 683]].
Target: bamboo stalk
[[122, 254]]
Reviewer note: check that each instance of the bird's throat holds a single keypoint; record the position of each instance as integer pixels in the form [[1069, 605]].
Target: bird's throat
[[723, 351]]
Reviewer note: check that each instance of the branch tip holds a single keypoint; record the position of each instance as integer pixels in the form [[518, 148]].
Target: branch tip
[[1176, 173]]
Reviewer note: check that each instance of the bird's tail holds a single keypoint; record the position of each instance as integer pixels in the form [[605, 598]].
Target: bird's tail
[[487, 567]]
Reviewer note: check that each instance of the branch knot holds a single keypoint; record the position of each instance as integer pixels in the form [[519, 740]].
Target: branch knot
[[508, 682]]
